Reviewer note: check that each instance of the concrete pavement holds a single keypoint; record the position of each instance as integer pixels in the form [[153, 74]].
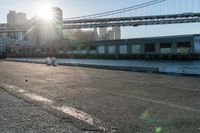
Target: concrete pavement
[[17, 115], [122, 101]]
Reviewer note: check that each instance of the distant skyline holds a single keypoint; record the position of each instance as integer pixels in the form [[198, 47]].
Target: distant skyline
[[72, 8]]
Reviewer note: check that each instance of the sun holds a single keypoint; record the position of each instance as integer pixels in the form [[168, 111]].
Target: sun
[[45, 12]]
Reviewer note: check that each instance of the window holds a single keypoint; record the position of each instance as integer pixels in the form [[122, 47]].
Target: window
[[101, 49], [165, 48], [165, 45], [111, 49], [123, 49], [183, 47], [136, 48], [149, 47]]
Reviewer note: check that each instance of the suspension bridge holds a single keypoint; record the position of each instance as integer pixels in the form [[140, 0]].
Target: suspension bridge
[[133, 21], [155, 12]]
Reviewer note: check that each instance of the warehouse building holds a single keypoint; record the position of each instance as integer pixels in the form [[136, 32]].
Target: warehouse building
[[182, 46]]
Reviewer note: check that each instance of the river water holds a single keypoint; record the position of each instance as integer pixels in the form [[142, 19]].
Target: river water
[[175, 66]]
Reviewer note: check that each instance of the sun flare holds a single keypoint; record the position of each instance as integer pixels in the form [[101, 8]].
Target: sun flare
[[45, 12]]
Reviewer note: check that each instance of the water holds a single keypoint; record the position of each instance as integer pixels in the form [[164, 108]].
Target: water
[[134, 63], [175, 66]]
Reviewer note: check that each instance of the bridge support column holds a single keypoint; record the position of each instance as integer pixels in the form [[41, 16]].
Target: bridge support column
[[142, 48], [106, 50], [117, 51], [157, 48], [157, 51], [192, 47], [174, 47]]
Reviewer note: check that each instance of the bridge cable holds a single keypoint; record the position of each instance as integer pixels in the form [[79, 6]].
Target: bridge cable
[[118, 11]]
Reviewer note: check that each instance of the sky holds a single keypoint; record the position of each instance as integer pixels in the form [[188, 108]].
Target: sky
[[72, 8]]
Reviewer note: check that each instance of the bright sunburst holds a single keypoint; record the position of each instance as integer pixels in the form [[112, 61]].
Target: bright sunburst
[[45, 12]]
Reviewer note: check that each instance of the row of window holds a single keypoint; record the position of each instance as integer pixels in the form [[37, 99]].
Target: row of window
[[182, 47], [162, 48]]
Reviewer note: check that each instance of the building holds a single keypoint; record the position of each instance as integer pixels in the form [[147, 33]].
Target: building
[[45, 33], [166, 47], [2, 47], [33, 34], [81, 35], [16, 21], [103, 33], [57, 24], [113, 34], [96, 36], [171, 46], [117, 33]]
